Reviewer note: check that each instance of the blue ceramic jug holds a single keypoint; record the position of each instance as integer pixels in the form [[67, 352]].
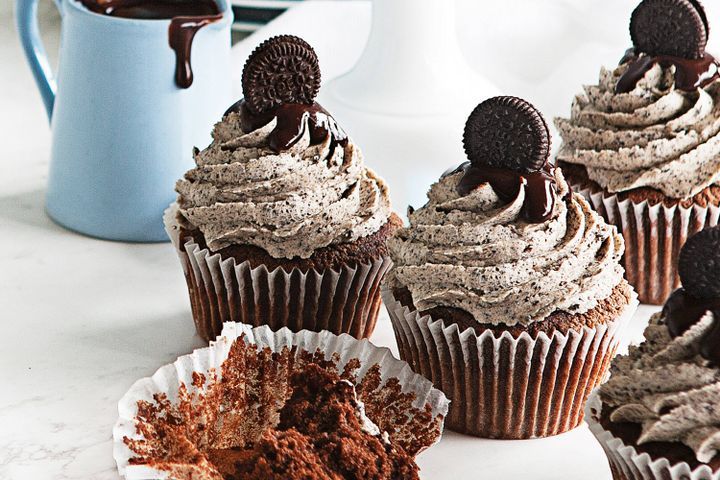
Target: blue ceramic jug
[[122, 128]]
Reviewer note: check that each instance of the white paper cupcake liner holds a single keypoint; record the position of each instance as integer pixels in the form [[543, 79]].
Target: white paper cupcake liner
[[627, 464], [343, 301], [404, 429], [654, 235], [505, 387]]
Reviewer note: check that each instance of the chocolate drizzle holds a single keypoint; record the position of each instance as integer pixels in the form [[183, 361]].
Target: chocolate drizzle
[[682, 311], [186, 18], [281, 79], [292, 119], [180, 36], [152, 9], [689, 74], [507, 141], [540, 192]]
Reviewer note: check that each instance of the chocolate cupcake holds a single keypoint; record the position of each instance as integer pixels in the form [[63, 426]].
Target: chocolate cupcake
[[643, 146], [658, 417], [506, 290], [258, 404], [281, 223]]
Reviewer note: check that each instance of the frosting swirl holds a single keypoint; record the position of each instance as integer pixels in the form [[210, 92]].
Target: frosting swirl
[[290, 203], [476, 253], [655, 136], [666, 386]]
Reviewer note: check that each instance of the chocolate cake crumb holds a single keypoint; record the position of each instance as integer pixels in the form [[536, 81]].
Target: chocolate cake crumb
[[320, 436], [287, 414]]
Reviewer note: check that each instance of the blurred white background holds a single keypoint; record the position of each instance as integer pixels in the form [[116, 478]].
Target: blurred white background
[[122, 311], [543, 50]]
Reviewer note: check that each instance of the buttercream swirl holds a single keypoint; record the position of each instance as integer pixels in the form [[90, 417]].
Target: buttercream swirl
[[475, 253], [289, 203], [654, 136], [668, 388]]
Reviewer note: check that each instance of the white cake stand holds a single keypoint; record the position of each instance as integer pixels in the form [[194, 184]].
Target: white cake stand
[[412, 88]]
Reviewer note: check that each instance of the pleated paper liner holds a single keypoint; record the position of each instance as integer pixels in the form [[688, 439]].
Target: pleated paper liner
[[504, 387], [399, 401], [654, 235], [344, 301], [626, 463]]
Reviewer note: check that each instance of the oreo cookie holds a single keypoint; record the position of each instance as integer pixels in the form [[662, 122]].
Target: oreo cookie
[[677, 28], [508, 133], [699, 264], [282, 70], [701, 11]]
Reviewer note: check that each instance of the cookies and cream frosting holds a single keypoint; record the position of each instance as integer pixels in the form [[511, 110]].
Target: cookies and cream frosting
[[475, 253], [667, 387], [655, 136], [289, 203]]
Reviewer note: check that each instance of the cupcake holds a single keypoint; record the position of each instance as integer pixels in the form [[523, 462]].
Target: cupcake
[[658, 417], [259, 404], [643, 146], [281, 223], [507, 290]]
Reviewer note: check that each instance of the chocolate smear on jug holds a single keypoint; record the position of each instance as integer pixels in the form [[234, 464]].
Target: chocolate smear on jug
[[186, 17]]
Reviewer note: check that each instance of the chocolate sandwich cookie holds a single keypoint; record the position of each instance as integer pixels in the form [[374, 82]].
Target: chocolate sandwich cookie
[[281, 70], [677, 28], [280, 81], [509, 133], [672, 33], [507, 142]]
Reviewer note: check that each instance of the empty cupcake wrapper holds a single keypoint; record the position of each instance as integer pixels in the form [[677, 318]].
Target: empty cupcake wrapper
[[344, 301], [627, 464], [654, 235], [505, 387], [403, 427]]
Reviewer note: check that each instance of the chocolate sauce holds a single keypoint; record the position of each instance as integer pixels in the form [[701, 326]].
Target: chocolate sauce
[[682, 311], [628, 56], [153, 9], [291, 121], [689, 74], [453, 170], [540, 189], [186, 18], [180, 36]]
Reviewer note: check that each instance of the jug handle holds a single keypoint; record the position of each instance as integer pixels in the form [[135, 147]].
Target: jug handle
[[27, 26]]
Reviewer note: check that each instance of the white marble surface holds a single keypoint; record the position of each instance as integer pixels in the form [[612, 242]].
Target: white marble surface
[[82, 319]]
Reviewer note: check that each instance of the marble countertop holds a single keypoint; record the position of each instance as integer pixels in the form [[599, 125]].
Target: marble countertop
[[82, 319]]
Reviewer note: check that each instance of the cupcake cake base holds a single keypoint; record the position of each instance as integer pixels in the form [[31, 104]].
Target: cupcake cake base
[[654, 227], [337, 289], [512, 383]]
